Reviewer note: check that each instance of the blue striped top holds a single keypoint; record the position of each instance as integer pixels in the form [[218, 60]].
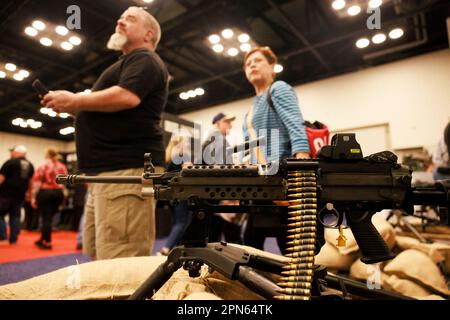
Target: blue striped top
[[290, 136]]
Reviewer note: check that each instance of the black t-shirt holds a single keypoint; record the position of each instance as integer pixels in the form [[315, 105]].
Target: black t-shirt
[[119, 140], [18, 173]]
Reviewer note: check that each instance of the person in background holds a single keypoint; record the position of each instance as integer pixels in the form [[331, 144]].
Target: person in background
[[116, 125], [282, 114], [214, 151], [47, 195], [441, 157], [15, 176], [31, 221], [176, 150]]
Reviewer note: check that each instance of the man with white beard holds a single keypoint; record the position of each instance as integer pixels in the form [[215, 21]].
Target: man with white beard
[[115, 126]]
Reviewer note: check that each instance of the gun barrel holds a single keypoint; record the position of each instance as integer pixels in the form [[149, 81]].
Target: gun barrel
[[431, 196], [73, 179]]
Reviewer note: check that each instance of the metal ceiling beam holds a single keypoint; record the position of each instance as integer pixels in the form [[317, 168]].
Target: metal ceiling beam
[[276, 28], [14, 12], [298, 34], [208, 71]]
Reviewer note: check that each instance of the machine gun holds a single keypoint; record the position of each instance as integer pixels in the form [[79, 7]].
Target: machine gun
[[339, 188]]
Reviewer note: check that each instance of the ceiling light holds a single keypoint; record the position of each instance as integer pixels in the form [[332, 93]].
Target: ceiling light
[[61, 30], [199, 91], [46, 42], [375, 3], [245, 47], [10, 67], [2, 74], [36, 124], [32, 32], [17, 121], [24, 73], [362, 43], [18, 77], [191, 94], [66, 45], [214, 38], [396, 33], [244, 38], [39, 25], [232, 52], [66, 131], [184, 96], [147, 1], [379, 38], [64, 115], [218, 48], [278, 68], [75, 40], [354, 10], [338, 4], [227, 33], [52, 113], [44, 110], [56, 36], [23, 125]]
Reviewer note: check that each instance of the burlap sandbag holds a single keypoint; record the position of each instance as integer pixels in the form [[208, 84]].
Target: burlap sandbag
[[103, 279], [202, 296], [119, 278], [406, 287], [416, 266], [180, 286], [438, 252], [361, 271], [431, 297], [385, 229], [330, 257]]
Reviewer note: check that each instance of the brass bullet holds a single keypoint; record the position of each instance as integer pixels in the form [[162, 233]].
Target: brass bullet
[[303, 218], [303, 189], [304, 195], [302, 236], [301, 248], [302, 206], [306, 235], [302, 260], [301, 174], [291, 281], [300, 254], [303, 212], [302, 230], [302, 224], [302, 184], [300, 242], [299, 285], [303, 201], [297, 273], [303, 292], [298, 266], [302, 179], [291, 298]]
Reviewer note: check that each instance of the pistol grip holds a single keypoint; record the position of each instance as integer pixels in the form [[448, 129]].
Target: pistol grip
[[372, 245]]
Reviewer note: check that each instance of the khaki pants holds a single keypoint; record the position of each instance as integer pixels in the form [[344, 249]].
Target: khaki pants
[[119, 222]]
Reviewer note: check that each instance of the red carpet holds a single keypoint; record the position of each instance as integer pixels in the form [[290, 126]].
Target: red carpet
[[63, 242]]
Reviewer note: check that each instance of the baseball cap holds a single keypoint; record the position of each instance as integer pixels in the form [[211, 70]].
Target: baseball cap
[[221, 116], [19, 148]]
